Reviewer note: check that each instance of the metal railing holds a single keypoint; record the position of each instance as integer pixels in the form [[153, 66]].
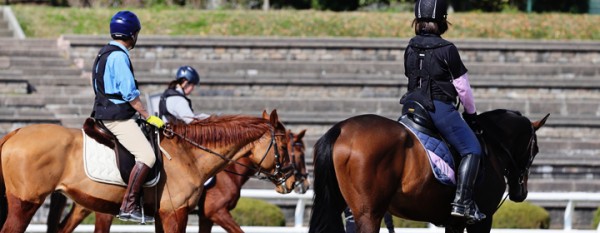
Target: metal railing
[[572, 198]]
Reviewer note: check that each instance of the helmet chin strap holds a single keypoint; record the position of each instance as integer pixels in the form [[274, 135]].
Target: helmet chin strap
[[134, 39]]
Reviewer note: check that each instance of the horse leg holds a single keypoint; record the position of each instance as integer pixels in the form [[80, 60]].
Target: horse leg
[[366, 223], [481, 227], [204, 225], [158, 227], [73, 218], [103, 222], [57, 206], [19, 214], [174, 221], [454, 228], [224, 219]]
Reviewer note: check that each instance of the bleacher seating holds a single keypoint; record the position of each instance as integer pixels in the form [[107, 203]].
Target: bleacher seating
[[314, 83]]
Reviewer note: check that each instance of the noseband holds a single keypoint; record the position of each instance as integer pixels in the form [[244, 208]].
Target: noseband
[[281, 174]]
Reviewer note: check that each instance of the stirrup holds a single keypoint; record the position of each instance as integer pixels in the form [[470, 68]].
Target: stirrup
[[470, 212]]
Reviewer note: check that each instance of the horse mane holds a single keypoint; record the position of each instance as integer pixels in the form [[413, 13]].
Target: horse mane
[[222, 130]]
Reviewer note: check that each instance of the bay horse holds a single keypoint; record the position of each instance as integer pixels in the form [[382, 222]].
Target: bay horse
[[373, 164], [39, 159], [215, 202]]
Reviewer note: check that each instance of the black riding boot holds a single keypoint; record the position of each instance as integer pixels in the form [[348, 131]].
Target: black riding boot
[[463, 205], [130, 208]]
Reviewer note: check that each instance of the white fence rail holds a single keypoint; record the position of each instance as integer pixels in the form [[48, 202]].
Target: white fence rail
[[572, 198]]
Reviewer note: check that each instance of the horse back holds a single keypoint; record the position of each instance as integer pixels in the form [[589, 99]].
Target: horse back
[[392, 168]]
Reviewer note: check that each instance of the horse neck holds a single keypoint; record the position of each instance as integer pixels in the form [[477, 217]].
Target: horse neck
[[241, 171]]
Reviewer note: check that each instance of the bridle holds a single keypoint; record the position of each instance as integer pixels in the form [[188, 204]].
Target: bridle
[[278, 177], [300, 177], [522, 171]]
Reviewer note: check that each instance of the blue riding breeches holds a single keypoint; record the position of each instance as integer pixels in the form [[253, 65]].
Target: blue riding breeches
[[454, 129]]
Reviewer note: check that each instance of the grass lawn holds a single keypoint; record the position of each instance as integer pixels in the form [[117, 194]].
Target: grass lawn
[[51, 22]]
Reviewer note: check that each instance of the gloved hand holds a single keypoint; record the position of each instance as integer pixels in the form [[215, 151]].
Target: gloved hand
[[154, 120], [471, 119]]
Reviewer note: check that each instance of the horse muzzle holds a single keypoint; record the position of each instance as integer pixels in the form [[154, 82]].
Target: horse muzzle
[[518, 196]]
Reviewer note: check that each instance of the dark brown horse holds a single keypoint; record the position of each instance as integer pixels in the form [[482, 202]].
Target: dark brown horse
[[40, 159], [214, 205], [373, 164]]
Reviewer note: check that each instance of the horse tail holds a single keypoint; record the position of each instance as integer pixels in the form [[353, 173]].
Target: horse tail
[[328, 202], [3, 200]]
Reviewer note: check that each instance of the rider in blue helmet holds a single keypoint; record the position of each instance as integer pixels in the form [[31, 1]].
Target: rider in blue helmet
[[125, 26], [117, 103], [437, 80], [174, 103]]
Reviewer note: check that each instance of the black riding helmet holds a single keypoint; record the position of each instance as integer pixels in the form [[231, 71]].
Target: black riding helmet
[[434, 10]]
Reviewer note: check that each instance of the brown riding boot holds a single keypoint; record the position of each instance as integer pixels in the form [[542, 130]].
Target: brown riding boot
[[130, 208]]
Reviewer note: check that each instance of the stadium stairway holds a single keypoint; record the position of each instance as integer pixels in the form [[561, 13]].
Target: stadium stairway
[[314, 83]]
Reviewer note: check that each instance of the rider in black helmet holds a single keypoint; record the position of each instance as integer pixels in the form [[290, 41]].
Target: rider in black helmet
[[437, 80]]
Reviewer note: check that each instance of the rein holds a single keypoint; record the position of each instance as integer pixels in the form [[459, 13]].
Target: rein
[[300, 177], [278, 177], [513, 162]]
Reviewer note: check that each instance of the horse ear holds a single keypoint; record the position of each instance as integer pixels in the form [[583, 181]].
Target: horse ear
[[300, 135], [538, 124], [274, 118], [265, 115]]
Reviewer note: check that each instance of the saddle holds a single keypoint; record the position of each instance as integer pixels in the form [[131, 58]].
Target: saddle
[[125, 160], [442, 156], [416, 115]]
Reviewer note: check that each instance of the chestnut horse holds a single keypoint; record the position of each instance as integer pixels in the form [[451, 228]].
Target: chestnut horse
[[373, 164], [219, 200], [214, 205], [40, 159]]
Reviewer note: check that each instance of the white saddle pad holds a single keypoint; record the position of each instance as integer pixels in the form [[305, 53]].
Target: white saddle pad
[[100, 163]]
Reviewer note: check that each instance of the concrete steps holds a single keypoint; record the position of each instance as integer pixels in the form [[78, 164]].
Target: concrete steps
[[40, 82], [169, 66], [4, 30]]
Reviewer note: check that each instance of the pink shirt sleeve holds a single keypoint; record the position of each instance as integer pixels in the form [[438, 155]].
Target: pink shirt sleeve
[[464, 93]]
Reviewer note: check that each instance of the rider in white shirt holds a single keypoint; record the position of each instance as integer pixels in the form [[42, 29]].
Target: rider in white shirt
[[174, 103]]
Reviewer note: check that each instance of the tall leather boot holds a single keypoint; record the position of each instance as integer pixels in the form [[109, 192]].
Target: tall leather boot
[[463, 205], [130, 208]]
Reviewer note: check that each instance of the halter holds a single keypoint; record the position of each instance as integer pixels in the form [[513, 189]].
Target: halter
[[280, 174]]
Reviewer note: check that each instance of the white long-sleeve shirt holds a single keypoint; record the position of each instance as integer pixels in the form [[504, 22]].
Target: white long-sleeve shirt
[[179, 107]]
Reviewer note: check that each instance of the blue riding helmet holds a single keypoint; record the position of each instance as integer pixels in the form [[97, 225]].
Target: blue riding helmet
[[124, 25], [431, 9], [189, 73]]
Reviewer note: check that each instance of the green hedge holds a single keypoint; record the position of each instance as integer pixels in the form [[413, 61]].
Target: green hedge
[[521, 215], [248, 212], [403, 223], [596, 218], [254, 212]]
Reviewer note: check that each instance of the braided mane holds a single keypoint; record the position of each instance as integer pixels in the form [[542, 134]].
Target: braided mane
[[223, 130]]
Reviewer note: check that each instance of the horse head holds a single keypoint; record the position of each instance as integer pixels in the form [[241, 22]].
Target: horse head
[[296, 149], [275, 165], [515, 137]]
